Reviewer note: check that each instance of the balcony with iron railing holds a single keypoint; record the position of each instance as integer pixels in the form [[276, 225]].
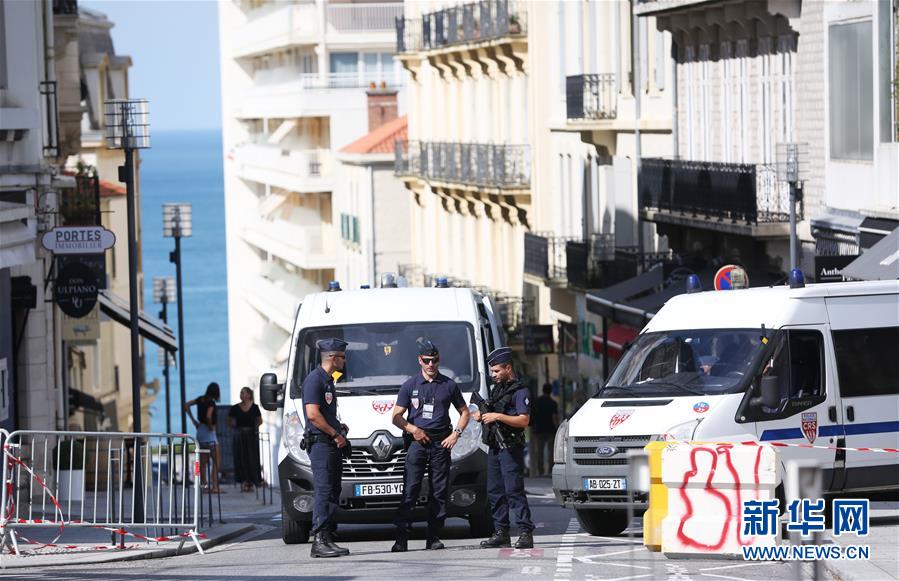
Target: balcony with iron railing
[[733, 197], [466, 24], [591, 97], [572, 261], [475, 164]]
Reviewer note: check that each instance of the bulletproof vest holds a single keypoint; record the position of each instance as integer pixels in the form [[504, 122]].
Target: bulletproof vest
[[498, 401]]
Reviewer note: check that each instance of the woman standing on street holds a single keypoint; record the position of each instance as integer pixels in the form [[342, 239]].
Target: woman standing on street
[[245, 418], [206, 412]]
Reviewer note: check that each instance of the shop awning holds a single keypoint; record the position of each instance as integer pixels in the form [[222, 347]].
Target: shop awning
[[619, 336], [838, 220], [117, 309], [880, 262], [613, 302]]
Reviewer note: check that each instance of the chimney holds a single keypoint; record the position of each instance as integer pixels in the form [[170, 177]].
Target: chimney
[[382, 106]]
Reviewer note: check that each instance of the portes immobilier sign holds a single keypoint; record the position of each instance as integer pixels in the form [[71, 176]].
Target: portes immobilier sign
[[78, 240]]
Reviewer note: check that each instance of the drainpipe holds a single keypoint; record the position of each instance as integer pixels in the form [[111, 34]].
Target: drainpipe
[[635, 70], [372, 256]]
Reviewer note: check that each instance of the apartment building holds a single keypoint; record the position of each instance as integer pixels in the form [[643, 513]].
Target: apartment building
[[467, 163], [295, 77], [601, 97], [31, 180], [370, 202]]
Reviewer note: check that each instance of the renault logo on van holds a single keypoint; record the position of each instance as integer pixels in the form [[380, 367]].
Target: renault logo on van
[[381, 446], [606, 451]]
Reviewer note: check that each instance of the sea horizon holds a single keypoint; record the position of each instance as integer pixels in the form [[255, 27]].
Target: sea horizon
[[186, 166]]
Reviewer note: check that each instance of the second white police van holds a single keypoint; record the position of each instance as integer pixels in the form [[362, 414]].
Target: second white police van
[[383, 328], [816, 364]]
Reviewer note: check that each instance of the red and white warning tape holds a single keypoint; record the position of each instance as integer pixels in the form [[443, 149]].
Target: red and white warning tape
[[8, 511], [785, 445]]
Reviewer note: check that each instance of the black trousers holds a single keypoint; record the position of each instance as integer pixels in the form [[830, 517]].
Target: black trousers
[[437, 459]]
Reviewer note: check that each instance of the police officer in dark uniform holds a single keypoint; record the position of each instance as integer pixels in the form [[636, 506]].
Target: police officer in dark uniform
[[509, 414], [427, 396], [325, 436]]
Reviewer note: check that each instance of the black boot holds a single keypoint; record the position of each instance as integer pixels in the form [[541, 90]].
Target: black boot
[[434, 544], [500, 538], [401, 545], [525, 540], [321, 548], [329, 540]]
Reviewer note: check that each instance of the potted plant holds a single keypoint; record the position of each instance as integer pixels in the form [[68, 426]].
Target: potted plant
[[68, 458], [514, 24]]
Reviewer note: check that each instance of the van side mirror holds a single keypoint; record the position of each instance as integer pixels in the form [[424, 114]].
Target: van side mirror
[[770, 392], [271, 393]]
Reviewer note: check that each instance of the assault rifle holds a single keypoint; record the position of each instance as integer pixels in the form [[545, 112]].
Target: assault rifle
[[494, 431]]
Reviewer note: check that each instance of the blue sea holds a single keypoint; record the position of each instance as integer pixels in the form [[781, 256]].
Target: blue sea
[[186, 166]]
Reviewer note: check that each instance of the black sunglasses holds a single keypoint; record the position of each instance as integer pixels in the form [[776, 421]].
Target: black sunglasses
[[429, 360]]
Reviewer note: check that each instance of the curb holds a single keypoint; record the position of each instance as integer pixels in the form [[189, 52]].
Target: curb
[[151, 554]]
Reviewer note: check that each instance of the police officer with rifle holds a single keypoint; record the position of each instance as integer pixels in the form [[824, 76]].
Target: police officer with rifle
[[505, 414]]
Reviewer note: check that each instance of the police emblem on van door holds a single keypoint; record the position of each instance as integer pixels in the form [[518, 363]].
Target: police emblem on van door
[[329, 397], [619, 418], [810, 426], [382, 407]]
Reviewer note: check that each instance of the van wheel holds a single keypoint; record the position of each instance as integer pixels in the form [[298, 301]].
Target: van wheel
[[603, 523], [294, 532], [480, 525]]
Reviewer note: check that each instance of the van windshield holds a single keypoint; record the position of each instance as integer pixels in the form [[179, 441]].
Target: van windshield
[[690, 362], [381, 356]]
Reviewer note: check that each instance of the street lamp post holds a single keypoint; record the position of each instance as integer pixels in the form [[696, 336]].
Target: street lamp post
[[164, 293], [792, 168], [128, 128], [176, 223]]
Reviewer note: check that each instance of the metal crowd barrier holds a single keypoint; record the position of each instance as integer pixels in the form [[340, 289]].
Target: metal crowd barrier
[[106, 481]]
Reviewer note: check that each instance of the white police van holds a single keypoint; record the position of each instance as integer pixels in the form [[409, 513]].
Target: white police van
[[816, 364], [383, 328]]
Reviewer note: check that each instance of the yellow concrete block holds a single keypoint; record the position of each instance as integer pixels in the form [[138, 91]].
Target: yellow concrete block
[[658, 498]]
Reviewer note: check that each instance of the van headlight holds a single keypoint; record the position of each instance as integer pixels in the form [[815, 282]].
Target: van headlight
[[468, 442], [293, 433], [681, 432], [560, 446]]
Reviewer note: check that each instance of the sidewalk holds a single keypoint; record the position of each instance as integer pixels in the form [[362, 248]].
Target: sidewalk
[[883, 538], [80, 543]]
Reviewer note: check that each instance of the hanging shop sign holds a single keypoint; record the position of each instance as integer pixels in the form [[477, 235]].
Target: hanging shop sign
[[78, 240], [76, 289]]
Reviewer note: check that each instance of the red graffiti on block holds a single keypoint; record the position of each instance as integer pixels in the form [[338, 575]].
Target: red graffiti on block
[[724, 450]]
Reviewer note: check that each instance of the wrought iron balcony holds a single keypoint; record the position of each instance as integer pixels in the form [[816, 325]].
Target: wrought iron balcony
[[585, 264], [467, 23], [476, 164], [735, 192], [591, 96]]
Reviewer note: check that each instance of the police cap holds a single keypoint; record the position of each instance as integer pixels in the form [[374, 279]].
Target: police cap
[[329, 345], [428, 349], [500, 356]]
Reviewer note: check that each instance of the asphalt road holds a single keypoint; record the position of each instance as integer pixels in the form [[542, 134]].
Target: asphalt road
[[563, 551]]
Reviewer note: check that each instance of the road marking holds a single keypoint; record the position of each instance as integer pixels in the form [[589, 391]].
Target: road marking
[[566, 551], [531, 570], [720, 568], [677, 572], [723, 576], [521, 553]]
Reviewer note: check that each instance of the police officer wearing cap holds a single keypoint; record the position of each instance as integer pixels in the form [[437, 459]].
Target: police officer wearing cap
[[509, 415], [428, 397], [325, 436]]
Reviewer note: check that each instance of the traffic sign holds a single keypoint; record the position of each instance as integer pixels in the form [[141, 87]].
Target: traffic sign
[[731, 277], [78, 240]]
